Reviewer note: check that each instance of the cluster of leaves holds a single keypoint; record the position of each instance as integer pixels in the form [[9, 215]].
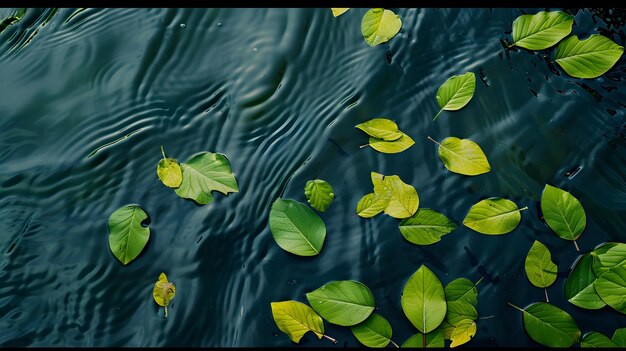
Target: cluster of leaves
[[437, 314], [377, 26], [385, 136], [589, 58]]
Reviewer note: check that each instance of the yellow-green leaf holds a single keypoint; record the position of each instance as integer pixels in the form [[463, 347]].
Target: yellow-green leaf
[[463, 156], [540, 269], [493, 216], [381, 128], [203, 173], [391, 147], [127, 237], [379, 25], [338, 11], [456, 92], [296, 319], [589, 58], [163, 292], [370, 205], [169, 171], [403, 198], [541, 30], [319, 194], [463, 332]]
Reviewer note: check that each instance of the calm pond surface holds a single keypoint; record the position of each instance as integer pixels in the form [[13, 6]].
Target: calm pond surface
[[89, 96]]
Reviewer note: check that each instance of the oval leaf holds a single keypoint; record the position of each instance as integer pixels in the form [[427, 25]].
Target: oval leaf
[[426, 227], [541, 30], [296, 319], [375, 331], [613, 256], [370, 205], [463, 332], [589, 58], [423, 300], [540, 269], [563, 213], [459, 311], [203, 173], [597, 266], [163, 292], [579, 289], [338, 11], [611, 286], [381, 128], [127, 237], [403, 198], [462, 289], [169, 171], [493, 216], [296, 228], [456, 92], [596, 339], [319, 194], [433, 339], [619, 337], [549, 325], [379, 25], [463, 156], [344, 302], [391, 147]]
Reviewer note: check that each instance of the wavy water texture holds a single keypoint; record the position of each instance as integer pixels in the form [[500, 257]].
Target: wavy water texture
[[90, 95]]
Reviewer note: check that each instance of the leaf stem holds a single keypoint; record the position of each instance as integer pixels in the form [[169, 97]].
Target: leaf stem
[[487, 317], [546, 292], [165, 311], [576, 244], [512, 305], [433, 140], [362, 146], [479, 280], [163, 152], [394, 344], [329, 338], [510, 46], [424, 339], [437, 115], [523, 208]]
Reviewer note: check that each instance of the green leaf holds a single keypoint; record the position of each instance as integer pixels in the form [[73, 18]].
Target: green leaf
[[589, 58], [403, 198], [169, 172], [127, 237], [423, 300], [319, 194], [541, 30], [596, 339], [296, 319], [426, 227], [391, 147], [597, 266], [540, 269], [343, 302], [375, 331], [579, 289], [614, 256], [381, 128], [563, 213], [379, 25], [203, 173], [446, 329], [434, 339], [611, 286], [493, 216], [462, 289], [296, 228], [549, 325], [463, 333], [338, 11], [619, 337], [370, 205], [463, 156], [458, 311], [456, 92], [163, 292]]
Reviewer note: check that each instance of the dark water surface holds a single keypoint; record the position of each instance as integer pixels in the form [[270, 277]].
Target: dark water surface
[[279, 92]]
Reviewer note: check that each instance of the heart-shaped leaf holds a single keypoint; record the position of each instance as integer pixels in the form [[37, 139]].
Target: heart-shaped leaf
[[549, 325], [296, 319], [434, 339], [426, 227], [203, 173], [169, 171], [296, 228], [424, 300], [541, 30], [563, 212], [540, 269], [463, 333], [589, 58], [375, 331], [127, 237], [493, 216], [379, 25], [462, 156], [319, 194], [163, 292], [456, 92], [579, 289], [344, 302], [381, 128], [596, 340], [338, 11]]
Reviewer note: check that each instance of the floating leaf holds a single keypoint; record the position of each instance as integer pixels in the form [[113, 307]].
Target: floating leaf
[[541, 30], [597, 266], [205, 172], [611, 286], [344, 302], [540, 269], [458, 311], [596, 339], [589, 58], [619, 337], [613, 256], [127, 237], [381, 128], [579, 289], [375, 331], [296, 228], [296, 319], [493, 216], [423, 300], [391, 147], [338, 11], [379, 25], [463, 333], [426, 227], [446, 329], [403, 199], [169, 172], [456, 92], [163, 292], [433, 339], [370, 205], [549, 325], [463, 156], [563, 213], [319, 194], [462, 289]]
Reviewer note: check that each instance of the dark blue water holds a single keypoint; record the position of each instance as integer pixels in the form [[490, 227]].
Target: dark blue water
[[88, 96]]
